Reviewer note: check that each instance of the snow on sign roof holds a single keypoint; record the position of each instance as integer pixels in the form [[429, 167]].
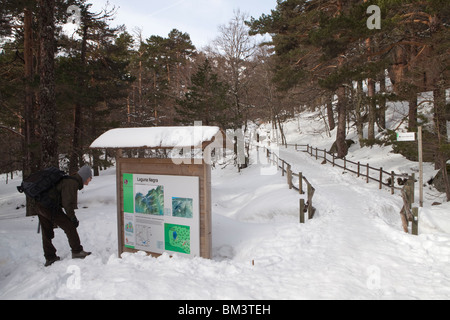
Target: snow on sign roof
[[155, 137]]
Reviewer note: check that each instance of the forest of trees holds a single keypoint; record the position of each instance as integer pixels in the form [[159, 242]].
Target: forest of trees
[[59, 91], [325, 51]]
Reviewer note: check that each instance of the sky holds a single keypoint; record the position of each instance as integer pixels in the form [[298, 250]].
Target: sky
[[199, 18]]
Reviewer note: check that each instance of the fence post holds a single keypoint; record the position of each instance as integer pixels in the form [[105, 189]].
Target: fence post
[[415, 223], [411, 184], [317, 155], [282, 171], [359, 168], [302, 210], [392, 182], [367, 179], [289, 176], [409, 194], [310, 205], [381, 178], [300, 182]]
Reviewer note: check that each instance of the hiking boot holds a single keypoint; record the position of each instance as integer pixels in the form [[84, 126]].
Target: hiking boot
[[49, 262], [80, 255]]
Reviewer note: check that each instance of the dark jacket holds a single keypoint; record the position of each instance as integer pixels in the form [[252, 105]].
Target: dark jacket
[[65, 195], [68, 191]]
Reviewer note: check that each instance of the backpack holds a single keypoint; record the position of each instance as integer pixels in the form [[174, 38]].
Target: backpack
[[38, 185]]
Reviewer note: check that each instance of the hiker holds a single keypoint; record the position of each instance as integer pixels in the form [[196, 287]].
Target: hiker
[[66, 195]]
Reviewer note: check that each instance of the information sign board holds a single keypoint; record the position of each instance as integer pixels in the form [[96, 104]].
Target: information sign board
[[406, 136], [161, 213], [164, 207]]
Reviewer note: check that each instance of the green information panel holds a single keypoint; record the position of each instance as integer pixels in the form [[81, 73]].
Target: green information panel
[[161, 213]]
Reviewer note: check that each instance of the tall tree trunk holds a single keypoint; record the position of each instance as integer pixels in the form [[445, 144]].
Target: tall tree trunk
[[412, 114], [47, 97], [372, 109], [30, 144], [440, 122], [76, 157], [330, 112], [382, 110], [341, 145], [31, 155], [358, 109], [371, 95]]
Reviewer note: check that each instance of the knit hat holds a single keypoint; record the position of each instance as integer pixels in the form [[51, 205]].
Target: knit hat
[[85, 173]]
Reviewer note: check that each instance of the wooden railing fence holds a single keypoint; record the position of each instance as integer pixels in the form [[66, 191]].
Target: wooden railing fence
[[361, 170], [405, 182], [286, 170], [408, 212]]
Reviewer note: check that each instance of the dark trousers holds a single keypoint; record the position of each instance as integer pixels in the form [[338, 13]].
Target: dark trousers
[[62, 221]]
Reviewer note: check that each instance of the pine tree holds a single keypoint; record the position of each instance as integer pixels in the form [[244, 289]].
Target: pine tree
[[94, 82], [163, 65], [310, 49], [206, 100]]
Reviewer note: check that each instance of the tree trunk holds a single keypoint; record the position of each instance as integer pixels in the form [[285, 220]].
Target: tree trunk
[[283, 137], [440, 119], [440, 122], [47, 98], [358, 109], [412, 115], [31, 155], [30, 145], [330, 113], [382, 110], [341, 145], [77, 152], [372, 109]]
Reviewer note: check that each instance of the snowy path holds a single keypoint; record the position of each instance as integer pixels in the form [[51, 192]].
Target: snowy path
[[364, 223], [354, 248]]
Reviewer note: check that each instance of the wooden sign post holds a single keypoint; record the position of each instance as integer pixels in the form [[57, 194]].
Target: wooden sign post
[[420, 142]]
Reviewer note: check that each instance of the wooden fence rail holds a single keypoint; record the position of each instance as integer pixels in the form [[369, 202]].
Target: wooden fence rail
[[286, 170], [361, 170], [406, 182], [408, 213]]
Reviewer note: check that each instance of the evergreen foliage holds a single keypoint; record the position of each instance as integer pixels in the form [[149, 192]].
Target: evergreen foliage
[[206, 100], [55, 101]]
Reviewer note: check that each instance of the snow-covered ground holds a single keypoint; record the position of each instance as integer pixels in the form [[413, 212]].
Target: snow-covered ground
[[354, 248]]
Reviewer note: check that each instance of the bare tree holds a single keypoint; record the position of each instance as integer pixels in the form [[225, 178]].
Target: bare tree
[[236, 47]]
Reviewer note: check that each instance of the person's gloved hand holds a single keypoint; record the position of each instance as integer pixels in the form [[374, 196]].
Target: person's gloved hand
[[75, 221]]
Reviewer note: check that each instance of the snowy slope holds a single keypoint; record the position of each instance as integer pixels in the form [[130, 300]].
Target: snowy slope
[[309, 128], [350, 250]]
